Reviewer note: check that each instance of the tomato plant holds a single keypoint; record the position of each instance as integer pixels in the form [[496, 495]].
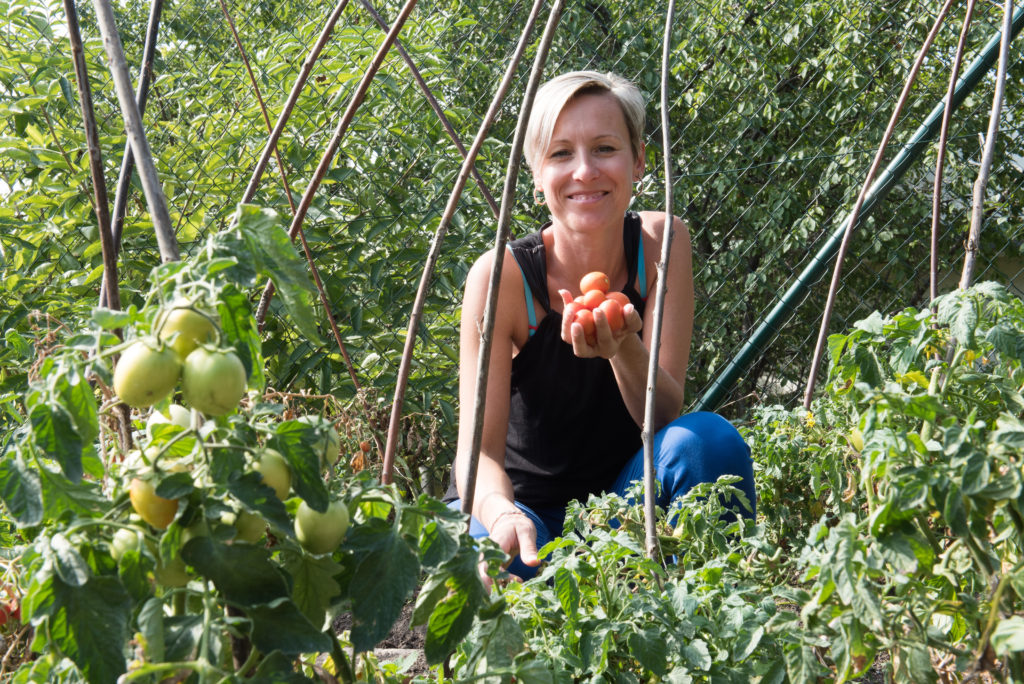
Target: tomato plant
[[318, 532], [151, 534]]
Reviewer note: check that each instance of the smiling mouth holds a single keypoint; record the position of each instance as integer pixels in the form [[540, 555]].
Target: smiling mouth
[[587, 196]]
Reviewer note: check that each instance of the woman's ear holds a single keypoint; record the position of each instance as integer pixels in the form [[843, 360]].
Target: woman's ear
[[638, 165]]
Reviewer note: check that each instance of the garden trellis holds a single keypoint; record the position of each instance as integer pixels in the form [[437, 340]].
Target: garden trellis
[[774, 113]]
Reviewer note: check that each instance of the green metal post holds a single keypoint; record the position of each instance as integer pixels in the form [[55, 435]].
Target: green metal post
[[794, 297]]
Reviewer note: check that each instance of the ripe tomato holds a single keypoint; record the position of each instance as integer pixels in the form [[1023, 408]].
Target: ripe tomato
[[184, 328], [595, 280], [364, 446], [613, 313], [592, 299], [321, 532], [328, 444], [156, 510], [146, 373], [585, 317], [213, 382], [620, 297], [275, 471], [123, 541]]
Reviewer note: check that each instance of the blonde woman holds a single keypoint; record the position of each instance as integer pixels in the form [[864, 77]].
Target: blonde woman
[[564, 409]]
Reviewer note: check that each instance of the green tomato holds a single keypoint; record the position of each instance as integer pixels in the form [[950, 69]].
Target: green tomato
[[249, 527], [123, 541], [328, 443], [146, 373], [856, 440], [184, 329], [321, 533], [275, 471], [213, 382]]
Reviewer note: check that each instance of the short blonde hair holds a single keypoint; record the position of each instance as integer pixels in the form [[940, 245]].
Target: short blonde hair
[[553, 96]]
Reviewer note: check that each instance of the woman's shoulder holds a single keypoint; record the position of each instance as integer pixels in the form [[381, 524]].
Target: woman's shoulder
[[653, 223]]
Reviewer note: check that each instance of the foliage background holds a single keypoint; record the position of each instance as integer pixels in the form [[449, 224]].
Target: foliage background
[[776, 111]]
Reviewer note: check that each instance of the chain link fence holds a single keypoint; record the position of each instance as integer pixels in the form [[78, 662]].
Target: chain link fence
[[776, 110]]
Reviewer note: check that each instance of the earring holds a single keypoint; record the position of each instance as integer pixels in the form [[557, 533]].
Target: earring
[[538, 198]]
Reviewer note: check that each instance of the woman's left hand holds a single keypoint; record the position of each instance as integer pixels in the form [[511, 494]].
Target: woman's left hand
[[605, 343]]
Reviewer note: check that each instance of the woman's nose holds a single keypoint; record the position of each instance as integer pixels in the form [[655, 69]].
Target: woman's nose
[[585, 167]]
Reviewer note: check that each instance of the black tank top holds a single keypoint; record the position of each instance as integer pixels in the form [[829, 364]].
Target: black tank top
[[569, 432]]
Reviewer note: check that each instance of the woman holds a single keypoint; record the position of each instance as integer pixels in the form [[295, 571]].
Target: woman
[[564, 412]]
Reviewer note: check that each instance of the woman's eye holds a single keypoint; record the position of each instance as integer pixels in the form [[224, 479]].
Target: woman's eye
[[560, 153]]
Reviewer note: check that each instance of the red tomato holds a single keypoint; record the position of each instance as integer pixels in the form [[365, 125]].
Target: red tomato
[[613, 313], [585, 317], [595, 280], [620, 297], [592, 299]]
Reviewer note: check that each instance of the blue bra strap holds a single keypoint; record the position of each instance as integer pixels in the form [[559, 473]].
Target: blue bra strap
[[641, 272], [531, 314]]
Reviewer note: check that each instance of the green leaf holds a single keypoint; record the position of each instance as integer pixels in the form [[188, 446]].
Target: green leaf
[[242, 572], [274, 256], [313, 583], [696, 654], [293, 440], [650, 649], [1007, 340], [868, 364], [151, 626], [181, 635], [966, 322], [277, 668], [280, 625], [68, 563], [238, 328], [249, 488], [88, 624], [568, 592], [1008, 636], [436, 544], [21, 489], [55, 435], [384, 579], [76, 395]]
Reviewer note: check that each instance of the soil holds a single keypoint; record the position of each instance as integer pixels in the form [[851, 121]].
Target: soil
[[401, 641]]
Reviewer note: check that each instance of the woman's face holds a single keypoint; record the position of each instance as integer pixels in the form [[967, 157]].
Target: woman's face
[[588, 168]]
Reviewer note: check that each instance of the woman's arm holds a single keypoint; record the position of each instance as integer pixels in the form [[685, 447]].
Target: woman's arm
[[629, 354], [493, 497]]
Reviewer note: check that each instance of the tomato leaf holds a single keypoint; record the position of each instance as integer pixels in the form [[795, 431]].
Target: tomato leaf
[[55, 435], [21, 490], [242, 572], [292, 440], [250, 489], [151, 626], [313, 583], [376, 605], [68, 563], [650, 649], [281, 625], [88, 623]]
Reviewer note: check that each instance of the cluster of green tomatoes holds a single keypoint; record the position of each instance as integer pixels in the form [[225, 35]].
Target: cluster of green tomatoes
[[184, 351]]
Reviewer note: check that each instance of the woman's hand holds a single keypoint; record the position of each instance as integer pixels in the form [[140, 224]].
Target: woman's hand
[[606, 343], [514, 532]]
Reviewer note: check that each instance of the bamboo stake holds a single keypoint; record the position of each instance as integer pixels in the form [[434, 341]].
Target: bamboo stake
[[487, 333], [977, 211], [652, 545], [432, 101], [855, 214], [435, 247], [136, 133], [99, 184], [947, 115], [141, 96], [92, 138]]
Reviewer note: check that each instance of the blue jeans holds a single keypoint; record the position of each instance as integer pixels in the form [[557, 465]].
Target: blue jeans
[[694, 448]]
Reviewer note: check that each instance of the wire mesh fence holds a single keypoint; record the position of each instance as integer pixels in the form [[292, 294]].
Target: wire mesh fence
[[776, 111]]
